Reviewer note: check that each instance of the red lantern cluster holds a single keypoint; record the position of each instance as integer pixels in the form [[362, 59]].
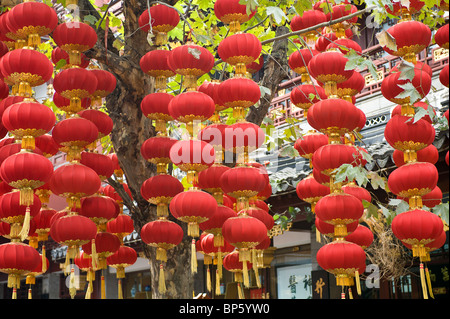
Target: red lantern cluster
[[327, 97]]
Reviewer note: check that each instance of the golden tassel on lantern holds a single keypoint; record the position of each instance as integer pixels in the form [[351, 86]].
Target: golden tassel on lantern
[[208, 279], [94, 256], [28, 143], [358, 283], [239, 289], [162, 280], [44, 260], [25, 89], [245, 274], [430, 288], [14, 293], [26, 196], [193, 258], [26, 223], [423, 282], [217, 283], [30, 296], [102, 287], [161, 254], [350, 294], [72, 287], [119, 289], [34, 40], [219, 263]]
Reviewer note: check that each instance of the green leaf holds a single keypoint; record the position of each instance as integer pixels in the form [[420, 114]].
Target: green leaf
[[277, 14], [264, 91], [442, 211], [252, 5], [420, 112], [289, 151], [409, 91], [386, 40], [60, 64], [90, 19], [377, 181], [301, 6], [406, 71]]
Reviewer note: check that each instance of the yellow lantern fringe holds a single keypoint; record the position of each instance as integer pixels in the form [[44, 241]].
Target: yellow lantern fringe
[[103, 287], [350, 294], [94, 255], [193, 258], [208, 279], [29, 294], [240, 294], [423, 282], [217, 283], [358, 283], [161, 254], [193, 230], [28, 143], [26, 223], [119, 289], [14, 293], [162, 280], [245, 274], [318, 237], [44, 260], [430, 288], [26, 196], [72, 288]]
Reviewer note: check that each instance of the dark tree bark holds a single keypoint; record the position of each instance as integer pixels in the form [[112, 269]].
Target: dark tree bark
[[132, 128]]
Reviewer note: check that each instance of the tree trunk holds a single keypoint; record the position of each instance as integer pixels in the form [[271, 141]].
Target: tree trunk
[[132, 128]]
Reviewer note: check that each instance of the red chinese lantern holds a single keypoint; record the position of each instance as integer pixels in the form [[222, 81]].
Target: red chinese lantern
[[398, 110], [17, 260], [26, 172], [29, 21], [70, 108], [193, 207], [103, 122], [191, 61], [311, 191], [254, 67], [74, 181], [444, 76], [155, 106], [362, 236], [262, 215], [23, 69], [163, 20], [73, 230], [233, 13], [156, 64], [327, 37], [333, 117], [350, 88], [345, 260], [309, 143], [215, 134], [209, 180], [244, 232], [121, 226], [100, 209], [239, 50], [100, 163], [239, 94], [59, 54], [304, 96], [42, 222], [122, 258], [74, 135], [192, 156], [212, 89], [417, 228], [106, 83], [4, 90], [74, 38], [409, 137], [298, 62], [242, 138], [17, 215], [156, 150], [75, 84], [308, 19], [13, 148], [327, 229], [330, 157], [428, 154], [27, 120], [214, 224], [339, 209], [359, 192], [6, 35], [403, 10], [433, 198], [413, 180], [164, 235], [411, 37], [391, 86], [329, 68], [47, 145], [105, 245], [159, 190], [242, 183], [345, 46], [339, 11], [190, 107]]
